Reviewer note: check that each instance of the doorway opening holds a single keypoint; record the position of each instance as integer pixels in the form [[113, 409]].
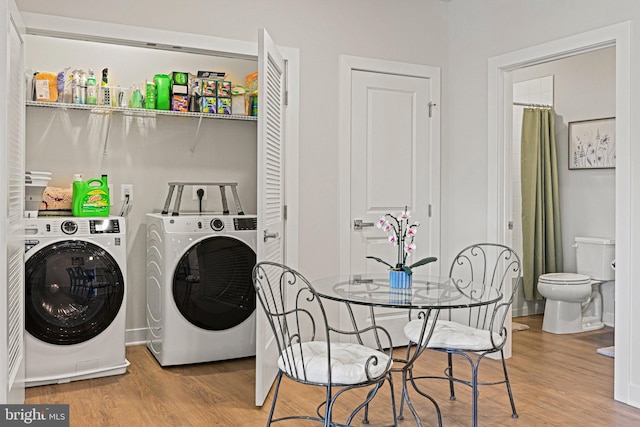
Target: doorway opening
[[499, 137], [581, 89]]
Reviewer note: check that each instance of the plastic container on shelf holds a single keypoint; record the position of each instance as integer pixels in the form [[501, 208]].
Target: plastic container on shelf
[[91, 197], [150, 96], [163, 91], [92, 89]]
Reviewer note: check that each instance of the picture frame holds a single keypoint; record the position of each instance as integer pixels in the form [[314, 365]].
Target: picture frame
[[592, 144]]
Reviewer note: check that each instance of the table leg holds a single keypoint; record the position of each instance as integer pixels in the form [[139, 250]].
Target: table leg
[[407, 369], [413, 352]]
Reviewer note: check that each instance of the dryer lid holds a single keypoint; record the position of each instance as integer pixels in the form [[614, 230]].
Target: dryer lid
[[565, 278]]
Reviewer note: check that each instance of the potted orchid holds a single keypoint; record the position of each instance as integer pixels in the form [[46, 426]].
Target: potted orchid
[[401, 234]]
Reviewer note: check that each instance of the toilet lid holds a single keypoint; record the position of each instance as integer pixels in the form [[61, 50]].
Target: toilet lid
[[565, 278]]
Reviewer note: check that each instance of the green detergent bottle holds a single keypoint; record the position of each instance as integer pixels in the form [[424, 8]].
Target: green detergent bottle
[[91, 198]]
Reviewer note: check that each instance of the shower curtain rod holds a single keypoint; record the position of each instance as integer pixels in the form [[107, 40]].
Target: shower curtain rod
[[524, 104]]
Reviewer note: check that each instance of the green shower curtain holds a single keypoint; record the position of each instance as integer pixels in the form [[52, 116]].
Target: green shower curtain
[[541, 236]]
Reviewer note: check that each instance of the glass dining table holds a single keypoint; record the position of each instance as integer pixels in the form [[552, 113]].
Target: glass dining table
[[426, 297]]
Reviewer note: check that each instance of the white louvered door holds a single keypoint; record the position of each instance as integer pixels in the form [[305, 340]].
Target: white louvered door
[[271, 102], [12, 123]]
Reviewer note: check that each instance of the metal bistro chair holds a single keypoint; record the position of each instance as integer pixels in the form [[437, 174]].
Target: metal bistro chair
[[308, 350], [473, 332]]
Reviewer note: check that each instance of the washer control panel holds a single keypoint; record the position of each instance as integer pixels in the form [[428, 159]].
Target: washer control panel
[[107, 230], [209, 223], [72, 226]]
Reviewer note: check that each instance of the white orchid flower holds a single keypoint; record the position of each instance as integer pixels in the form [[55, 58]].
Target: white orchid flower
[[401, 235]]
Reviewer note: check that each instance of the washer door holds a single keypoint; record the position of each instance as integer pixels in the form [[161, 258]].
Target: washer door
[[73, 291], [212, 284]]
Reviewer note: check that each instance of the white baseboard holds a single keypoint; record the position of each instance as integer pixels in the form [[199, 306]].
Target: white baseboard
[[136, 336], [608, 319], [528, 308]]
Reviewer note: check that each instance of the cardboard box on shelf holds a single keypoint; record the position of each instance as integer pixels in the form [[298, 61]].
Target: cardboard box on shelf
[[209, 87], [208, 104], [180, 103], [180, 78], [45, 87], [223, 105], [180, 89], [214, 75], [238, 105], [223, 89]]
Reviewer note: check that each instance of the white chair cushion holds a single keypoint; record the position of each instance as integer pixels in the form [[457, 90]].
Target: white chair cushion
[[448, 334], [347, 364]]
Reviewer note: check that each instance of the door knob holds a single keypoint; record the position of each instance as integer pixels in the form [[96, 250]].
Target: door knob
[[359, 225]]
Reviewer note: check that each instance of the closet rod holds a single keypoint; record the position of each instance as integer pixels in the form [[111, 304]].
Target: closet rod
[[524, 104]]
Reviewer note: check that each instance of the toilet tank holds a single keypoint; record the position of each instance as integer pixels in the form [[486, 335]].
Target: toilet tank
[[594, 256]]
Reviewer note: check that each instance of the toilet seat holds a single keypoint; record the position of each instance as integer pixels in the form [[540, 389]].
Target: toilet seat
[[564, 279]]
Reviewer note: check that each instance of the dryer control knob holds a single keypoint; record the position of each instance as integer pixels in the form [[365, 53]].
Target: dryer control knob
[[217, 224]]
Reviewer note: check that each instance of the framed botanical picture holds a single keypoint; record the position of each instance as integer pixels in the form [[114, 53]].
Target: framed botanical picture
[[592, 144]]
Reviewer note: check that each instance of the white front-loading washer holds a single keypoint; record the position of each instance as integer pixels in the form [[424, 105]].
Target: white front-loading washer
[[200, 297], [75, 298]]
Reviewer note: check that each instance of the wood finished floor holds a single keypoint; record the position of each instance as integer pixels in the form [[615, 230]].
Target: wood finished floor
[[556, 380]]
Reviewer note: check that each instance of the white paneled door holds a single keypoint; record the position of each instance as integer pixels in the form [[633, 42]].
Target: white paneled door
[[271, 75], [394, 163]]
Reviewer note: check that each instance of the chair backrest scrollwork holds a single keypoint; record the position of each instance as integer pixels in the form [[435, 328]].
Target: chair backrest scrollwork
[[495, 265]]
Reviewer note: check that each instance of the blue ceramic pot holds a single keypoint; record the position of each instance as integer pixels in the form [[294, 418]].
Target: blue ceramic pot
[[399, 279]]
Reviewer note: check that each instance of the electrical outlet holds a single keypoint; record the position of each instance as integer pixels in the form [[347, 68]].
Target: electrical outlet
[[126, 190], [195, 192]]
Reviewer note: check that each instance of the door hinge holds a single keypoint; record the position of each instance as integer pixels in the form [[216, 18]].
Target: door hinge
[[429, 211], [431, 105], [284, 212], [510, 225], [286, 82]]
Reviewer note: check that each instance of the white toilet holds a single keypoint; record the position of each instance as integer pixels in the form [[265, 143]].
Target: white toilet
[[574, 302]]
